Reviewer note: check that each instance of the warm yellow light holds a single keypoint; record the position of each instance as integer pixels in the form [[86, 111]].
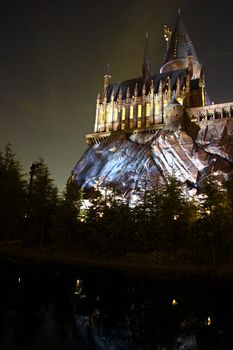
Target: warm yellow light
[[176, 217], [156, 107], [123, 114], [208, 212], [101, 116], [139, 111], [19, 280], [115, 114], [148, 109], [131, 112], [174, 302], [108, 117], [78, 283], [209, 321]]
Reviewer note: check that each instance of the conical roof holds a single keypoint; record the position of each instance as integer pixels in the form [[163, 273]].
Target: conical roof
[[179, 48], [180, 45]]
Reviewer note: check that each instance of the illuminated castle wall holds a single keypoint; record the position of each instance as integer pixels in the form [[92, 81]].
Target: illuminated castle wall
[[141, 102]]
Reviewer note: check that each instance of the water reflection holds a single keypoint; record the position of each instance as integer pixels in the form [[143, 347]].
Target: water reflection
[[56, 308]]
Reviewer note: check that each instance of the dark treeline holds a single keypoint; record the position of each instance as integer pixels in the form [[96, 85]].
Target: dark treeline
[[164, 222]]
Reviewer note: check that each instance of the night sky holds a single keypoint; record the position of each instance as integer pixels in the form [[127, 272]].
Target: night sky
[[53, 55]]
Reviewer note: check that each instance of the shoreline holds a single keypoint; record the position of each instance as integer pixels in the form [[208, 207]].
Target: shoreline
[[144, 264]]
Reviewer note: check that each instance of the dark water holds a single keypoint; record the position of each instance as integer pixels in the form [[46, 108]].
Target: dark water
[[62, 307]]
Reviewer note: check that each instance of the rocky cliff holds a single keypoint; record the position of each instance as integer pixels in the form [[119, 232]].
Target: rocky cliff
[[137, 161]]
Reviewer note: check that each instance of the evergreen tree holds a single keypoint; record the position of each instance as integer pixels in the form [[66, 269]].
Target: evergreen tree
[[42, 206], [172, 211], [12, 195], [215, 222], [68, 226]]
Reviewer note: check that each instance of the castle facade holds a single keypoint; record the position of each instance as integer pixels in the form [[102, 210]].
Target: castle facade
[[143, 104]]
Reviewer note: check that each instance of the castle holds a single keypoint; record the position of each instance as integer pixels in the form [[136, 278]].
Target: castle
[[143, 104], [158, 125]]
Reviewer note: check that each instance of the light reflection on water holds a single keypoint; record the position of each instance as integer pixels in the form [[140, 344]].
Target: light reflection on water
[[55, 307]]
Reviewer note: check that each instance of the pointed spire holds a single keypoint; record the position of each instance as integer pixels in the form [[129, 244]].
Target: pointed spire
[[128, 94], [152, 87], [136, 90], [179, 48], [146, 67], [160, 87], [144, 90], [107, 77], [119, 96], [98, 98]]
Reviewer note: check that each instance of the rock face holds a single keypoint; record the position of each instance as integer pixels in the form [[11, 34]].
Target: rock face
[[137, 161]]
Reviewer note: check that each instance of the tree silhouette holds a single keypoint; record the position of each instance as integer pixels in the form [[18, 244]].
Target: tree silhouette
[[12, 194], [42, 205]]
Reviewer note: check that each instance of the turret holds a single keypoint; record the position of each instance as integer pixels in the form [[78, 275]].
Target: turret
[[173, 113], [167, 33], [144, 91]]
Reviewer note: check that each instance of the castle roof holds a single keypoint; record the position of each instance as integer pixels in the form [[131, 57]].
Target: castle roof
[[180, 45], [130, 85]]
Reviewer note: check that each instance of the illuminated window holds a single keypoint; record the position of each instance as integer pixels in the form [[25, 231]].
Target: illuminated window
[[139, 111], [131, 112], [122, 126], [115, 114], [156, 107], [123, 114], [109, 116], [101, 119], [148, 109], [139, 123], [147, 123]]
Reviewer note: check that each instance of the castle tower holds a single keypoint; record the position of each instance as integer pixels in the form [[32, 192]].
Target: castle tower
[[180, 49], [146, 67]]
